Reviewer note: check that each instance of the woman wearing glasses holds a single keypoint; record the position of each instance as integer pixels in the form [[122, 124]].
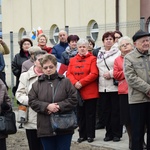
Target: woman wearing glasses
[[41, 101], [83, 73], [125, 45], [25, 84]]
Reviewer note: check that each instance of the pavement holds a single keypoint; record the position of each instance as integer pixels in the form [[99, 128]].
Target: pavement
[[98, 143]]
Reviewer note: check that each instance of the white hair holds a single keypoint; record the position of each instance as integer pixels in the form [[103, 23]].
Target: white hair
[[82, 42], [126, 38]]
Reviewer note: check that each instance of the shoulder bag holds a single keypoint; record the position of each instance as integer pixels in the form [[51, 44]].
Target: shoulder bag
[[62, 121], [115, 82], [8, 122]]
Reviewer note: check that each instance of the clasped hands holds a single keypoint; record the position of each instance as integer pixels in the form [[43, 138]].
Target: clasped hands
[[52, 108], [107, 76], [78, 85]]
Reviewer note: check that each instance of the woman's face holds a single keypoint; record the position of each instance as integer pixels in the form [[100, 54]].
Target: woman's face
[[90, 46], [49, 68], [125, 47], [108, 42], [117, 37], [82, 49], [73, 44], [42, 41], [37, 62], [26, 45]]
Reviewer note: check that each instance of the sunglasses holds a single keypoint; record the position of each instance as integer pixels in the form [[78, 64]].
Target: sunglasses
[[50, 67]]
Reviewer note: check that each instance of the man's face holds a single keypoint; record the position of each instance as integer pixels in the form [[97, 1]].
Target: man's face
[[63, 37], [143, 44]]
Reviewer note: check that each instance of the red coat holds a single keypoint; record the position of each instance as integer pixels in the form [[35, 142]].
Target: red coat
[[84, 70], [119, 75]]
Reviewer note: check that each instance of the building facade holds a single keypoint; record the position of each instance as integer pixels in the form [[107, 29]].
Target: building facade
[[85, 18]]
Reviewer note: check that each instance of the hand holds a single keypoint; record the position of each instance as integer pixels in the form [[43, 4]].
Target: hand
[[78, 85], [107, 76], [53, 107]]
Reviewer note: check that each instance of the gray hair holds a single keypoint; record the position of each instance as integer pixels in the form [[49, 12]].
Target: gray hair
[[126, 38], [82, 42], [33, 49], [39, 52]]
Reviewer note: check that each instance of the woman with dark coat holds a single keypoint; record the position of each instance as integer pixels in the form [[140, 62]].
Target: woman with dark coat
[[71, 50], [3, 107], [19, 58], [41, 101]]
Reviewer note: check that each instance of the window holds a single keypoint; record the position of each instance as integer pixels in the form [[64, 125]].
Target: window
[[92, 30], [22, 32], [54, 32], [149, 27]]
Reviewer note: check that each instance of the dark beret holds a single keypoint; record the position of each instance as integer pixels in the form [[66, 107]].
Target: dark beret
[[139, 34]]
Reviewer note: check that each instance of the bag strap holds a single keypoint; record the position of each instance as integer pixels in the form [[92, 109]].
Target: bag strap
[[105, 62], [54, 91]]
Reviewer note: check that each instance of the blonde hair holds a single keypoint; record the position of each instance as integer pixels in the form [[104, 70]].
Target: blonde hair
[[41, 35]]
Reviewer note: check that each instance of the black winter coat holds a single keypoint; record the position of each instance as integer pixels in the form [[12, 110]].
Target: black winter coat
[[16, 65]]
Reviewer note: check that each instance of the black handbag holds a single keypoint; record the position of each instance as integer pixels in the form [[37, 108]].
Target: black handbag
[[7, 119], [115, 82], [65, 121], [62, 121], [2, 123], [8, 123]]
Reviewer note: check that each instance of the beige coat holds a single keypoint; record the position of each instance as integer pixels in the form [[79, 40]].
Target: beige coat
[[25, 84], [137, 73], [4, 49]]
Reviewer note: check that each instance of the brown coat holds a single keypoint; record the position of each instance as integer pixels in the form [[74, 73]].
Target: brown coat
[[3, 96], [40, 96]]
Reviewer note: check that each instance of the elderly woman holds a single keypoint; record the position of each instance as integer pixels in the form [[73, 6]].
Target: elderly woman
[[83, 73], [71, 50], [30, 62], [19, 58], [26, 81], [42, 41], [41, 100], [109, 98], [3, 107], [125, 45]]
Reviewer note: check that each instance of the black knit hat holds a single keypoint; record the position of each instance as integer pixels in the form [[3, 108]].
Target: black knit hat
[[139, 34]]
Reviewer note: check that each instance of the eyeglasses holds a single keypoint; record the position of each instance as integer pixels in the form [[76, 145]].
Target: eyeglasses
[[50, 67], [124, 45], [117, 37]]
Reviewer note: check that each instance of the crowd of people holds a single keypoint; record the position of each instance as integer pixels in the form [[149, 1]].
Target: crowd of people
[[108, 87]]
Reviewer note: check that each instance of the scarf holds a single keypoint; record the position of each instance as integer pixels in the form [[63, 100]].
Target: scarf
[[103, 54], [71, 52], [46, 48]]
